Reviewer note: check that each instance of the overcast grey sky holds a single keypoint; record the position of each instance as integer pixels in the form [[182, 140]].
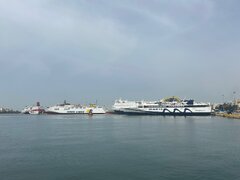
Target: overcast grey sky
[[83, 50]]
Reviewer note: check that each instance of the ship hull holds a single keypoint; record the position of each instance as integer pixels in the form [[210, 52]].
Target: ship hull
[[166, 111], [77, 111], [63, 113], [163, 114]]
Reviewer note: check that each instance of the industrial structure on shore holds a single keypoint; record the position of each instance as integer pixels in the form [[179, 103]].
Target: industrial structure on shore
[[7, 111]]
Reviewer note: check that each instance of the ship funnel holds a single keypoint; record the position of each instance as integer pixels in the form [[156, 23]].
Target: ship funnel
[[38, 103]]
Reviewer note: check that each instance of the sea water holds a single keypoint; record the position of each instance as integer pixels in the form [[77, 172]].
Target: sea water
[[118, 147]]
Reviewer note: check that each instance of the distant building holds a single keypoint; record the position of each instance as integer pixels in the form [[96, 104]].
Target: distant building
[[237, 102], [215, 106], [7, 110]]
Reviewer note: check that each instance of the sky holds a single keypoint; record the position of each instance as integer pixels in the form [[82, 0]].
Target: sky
[[85, 51]]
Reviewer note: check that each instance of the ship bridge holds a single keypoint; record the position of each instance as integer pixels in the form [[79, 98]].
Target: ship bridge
[[171, 99]]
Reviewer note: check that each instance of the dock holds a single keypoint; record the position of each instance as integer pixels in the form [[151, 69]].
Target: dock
[[227, 115]]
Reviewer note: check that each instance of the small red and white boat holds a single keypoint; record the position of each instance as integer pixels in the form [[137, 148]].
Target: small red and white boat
[[34, 109]]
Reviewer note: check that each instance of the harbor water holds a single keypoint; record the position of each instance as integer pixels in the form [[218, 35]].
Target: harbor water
[[118, 147]]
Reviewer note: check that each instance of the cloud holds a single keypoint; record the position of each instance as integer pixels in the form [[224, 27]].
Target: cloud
[[128, 46], [175, 15], [47, 33], [92, 36]]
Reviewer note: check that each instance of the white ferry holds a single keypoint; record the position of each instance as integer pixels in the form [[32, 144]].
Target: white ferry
[[67, 108], [37, 109], [167, 106]]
